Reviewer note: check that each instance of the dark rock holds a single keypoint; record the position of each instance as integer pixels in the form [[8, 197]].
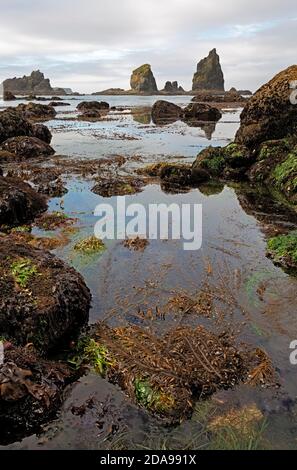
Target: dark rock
[[164, 112], [33, 84], [8, 96], [13, 123], [58, 103], [172, 87], [19, 203], [42, 132], [92, 106], [6, 156], [33, 111], [269, 113], [143, 80], [209, 75], [201, 112], [53, 188], [27, 147], [119, 186], [43, 299], [31, 391]]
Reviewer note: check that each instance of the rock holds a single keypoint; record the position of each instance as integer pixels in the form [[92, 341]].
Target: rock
[[164, 112], [209, 75], [13, 123], [53, 188], [33, 84], [43, 299], [173, 88], [8, 96], [31, 391], [110, 91], [42, 132], [226, 97], [27, 147], [143, 80], [201, 112], [19, 203], [6, 156], [58, 103], [35, 111], [230, 162], [92, 106], [269, 114], [119, 186]]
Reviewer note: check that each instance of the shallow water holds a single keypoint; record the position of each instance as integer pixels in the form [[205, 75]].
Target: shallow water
[[124, 281]]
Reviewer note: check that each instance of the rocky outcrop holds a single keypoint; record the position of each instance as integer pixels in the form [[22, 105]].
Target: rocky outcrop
[[173, 88], [226, 97], [36, 111], [24, 147], [42, 132], [58, 103], [8, 96], [58, 304], [19, 203], [12, 123], [36, 83], [269, 113], [92, 106], [143, 81], [209, 74], [201, 112], [164, 112]]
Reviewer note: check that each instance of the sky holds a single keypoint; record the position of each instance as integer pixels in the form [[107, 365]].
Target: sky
[[91, 45]]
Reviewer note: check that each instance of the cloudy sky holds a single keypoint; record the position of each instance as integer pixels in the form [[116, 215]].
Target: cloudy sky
[[90, 45]]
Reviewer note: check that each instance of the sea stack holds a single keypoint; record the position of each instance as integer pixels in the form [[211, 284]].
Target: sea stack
[[209, 75], [143, 80], [34, 84]]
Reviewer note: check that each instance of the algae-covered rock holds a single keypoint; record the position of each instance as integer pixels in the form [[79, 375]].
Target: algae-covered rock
[[143, 80], [163, 374], [19, 203], [43, 300], [270, 112], [31, 391], [283, 250], [24, 147]]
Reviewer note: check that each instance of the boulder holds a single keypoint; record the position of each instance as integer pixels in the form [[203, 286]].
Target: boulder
[[33, 111], [201, 112], [269, 113], [8, 96], [19, 203], [85, 106], [31, 391], [43, 300], [26, 147], [143, 80], [35, 83], [164, 112], [58, 103], [42, 132], [209, 74], [13, 123]]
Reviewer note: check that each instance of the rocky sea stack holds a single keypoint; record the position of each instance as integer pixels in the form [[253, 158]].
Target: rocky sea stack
[[33, 84], [143, 80], [209, 75]]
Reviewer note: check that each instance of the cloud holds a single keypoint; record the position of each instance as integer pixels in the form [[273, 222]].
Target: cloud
[[94, 44]]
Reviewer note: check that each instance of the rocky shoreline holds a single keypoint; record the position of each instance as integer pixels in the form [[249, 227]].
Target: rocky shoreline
[[45, 303]]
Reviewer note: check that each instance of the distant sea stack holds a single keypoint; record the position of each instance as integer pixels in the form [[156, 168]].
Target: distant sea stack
[[34, 84], [143, 80], [172, 87], [209, 75]]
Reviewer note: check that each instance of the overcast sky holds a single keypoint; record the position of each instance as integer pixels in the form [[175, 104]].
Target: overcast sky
[[90, 45]]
